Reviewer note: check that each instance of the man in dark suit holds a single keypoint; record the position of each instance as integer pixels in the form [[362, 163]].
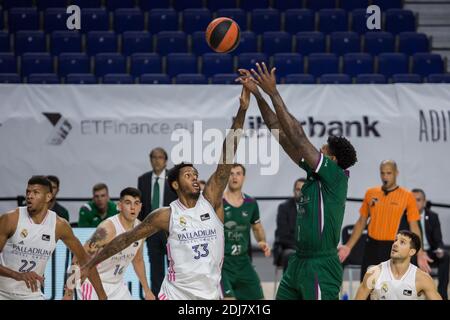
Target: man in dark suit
[[432, 241], [156, 193], [284, 245]]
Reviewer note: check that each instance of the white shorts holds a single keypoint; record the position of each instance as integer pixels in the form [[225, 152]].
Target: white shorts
[[12, 296], [171, 291], [117, 291]]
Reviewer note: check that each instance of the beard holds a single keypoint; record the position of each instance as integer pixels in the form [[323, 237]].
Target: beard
[[194, 195]]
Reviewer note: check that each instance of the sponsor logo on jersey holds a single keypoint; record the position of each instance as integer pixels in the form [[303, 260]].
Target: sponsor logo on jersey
[[407, 292], [24, 233], [230, 224], [21, 243], [136, 244], [183, 223], [304, 199], [198, 234], [46, 237], [244, 214], [204, 217], [35, 252]]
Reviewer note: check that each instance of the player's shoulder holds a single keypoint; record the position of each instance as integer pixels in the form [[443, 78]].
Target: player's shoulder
[[422, 276], [249, 199], [12, 214], [9, 218], [107, 224], [375, 268]]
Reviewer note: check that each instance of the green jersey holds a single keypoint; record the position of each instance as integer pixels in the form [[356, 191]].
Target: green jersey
[[237, 224], [90, 216], [321, 207]]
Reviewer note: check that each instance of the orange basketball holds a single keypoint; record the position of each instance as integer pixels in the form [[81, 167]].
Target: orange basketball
[[223, 35]]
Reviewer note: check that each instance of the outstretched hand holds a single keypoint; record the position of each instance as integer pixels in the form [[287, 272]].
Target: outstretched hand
[[264, 79], [246, 80]]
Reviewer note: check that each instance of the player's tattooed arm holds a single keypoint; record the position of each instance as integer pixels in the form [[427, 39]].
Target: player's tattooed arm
[[292, 128], [270, 117], [103, 234], [65, 233], [218, 181], [157, 220]]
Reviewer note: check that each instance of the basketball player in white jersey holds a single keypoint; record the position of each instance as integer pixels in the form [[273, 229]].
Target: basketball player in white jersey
[[195, 245], [112, 270], [28, 236], [398, 278]]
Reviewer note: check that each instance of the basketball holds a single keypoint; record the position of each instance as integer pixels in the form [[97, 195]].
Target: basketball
[[223, 34]]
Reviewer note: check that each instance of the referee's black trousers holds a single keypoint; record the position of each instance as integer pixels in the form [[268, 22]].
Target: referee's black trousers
[[375, 252]]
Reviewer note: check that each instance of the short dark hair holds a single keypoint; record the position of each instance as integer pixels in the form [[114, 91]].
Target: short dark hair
[[174, 173], [130, 191], [415, 240], [239, 165], [98, 187], [53, 179], [159, 149], [419, 191], [42, 181], [343, 150]]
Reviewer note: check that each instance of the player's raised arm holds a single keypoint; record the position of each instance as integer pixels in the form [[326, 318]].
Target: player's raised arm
[[270, 117], [104, 233], [218, 181], [65, 233], [293, 129], [157, 220]]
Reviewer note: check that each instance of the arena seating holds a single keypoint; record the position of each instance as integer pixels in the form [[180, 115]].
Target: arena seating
[[163, 41]]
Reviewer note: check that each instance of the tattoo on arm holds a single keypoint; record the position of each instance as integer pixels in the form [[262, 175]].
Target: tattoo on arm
[[96, 241], [216, 185]]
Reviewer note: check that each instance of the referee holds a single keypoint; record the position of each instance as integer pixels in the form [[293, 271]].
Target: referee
[[383, 208]]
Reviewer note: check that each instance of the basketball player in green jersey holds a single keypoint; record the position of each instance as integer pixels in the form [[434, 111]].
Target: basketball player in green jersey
[[314, 271], [239, 278]]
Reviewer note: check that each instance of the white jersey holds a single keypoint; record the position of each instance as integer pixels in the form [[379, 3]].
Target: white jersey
[[112, 270], [29, 249], [195, 249], [389, 288]]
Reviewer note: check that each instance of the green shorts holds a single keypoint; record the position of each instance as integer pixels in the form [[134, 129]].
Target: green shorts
[[312, 277], [240, 280]]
